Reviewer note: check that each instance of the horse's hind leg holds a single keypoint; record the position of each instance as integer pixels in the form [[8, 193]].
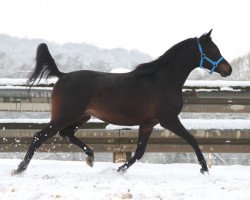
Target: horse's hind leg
[[68, 134], [39, 138]]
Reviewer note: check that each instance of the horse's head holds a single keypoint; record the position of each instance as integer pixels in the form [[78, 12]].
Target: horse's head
[[211, 58]]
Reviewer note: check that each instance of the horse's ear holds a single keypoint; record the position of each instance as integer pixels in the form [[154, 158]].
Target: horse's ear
[[206, 36], [209, 33]]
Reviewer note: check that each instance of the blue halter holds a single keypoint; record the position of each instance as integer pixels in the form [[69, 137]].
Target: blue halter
[[204, 57]]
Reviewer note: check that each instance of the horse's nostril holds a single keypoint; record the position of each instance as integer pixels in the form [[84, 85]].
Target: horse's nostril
[[230, 71]]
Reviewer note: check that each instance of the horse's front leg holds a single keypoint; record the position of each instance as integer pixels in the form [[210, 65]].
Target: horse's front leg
[[144, 134], [175, 125]]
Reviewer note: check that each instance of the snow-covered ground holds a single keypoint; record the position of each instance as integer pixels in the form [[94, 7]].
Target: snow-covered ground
[[75, 180]]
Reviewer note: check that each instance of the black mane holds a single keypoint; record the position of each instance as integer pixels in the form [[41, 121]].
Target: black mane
[[163, 60]]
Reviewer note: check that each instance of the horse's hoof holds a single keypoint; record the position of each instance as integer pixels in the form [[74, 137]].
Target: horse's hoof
[[90, 160], [122, 169], [204, 171], [15, 172]]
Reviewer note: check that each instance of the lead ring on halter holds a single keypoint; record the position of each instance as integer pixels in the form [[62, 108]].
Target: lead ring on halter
[[204, 57]]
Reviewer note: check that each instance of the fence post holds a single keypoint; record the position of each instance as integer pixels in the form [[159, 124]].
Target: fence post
[[210, 160], [119, 157], [18, 104]]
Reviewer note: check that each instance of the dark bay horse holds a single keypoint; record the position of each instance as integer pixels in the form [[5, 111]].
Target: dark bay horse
[[149, 95]]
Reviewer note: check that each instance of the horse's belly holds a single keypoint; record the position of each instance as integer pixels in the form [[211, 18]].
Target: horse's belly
[[121, 108], [113, 116]]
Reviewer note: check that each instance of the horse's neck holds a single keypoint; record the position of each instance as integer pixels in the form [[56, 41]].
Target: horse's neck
[[178, 71]]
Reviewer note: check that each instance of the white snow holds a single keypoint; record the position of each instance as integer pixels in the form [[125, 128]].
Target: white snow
[[38, 121], [194, 124], [220, 124], [120, 70], [216, 83], [23, 81], [13, 87], [116, 127], [189, 83], [190, 124], [71, 180]]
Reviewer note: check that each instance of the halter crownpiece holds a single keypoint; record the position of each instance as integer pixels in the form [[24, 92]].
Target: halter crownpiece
[[204, 57]]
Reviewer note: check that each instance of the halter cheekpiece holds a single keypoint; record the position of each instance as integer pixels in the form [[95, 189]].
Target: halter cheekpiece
[[204, 57]]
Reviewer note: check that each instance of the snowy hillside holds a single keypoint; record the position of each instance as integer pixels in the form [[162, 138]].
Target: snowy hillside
[[17, 57], [45, 180]]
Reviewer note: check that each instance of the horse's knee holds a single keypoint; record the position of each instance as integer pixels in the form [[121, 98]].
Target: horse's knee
[[46, 133], [70, 130]]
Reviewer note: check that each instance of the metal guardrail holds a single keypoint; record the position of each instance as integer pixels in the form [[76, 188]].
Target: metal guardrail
[[195, 100], [13, 139]]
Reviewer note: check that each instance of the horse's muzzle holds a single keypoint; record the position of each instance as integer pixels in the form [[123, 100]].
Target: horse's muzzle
[[225, 69]]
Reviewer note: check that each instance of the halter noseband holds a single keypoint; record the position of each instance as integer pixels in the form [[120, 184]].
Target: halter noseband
[[204, 57]]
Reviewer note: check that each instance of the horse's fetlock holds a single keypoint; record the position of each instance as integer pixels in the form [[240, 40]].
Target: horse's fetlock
[[89, 151]]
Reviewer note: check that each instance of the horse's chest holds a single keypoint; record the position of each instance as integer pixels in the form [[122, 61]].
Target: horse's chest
[[172, 103]]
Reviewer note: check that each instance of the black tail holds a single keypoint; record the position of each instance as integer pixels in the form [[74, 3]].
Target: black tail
[[45, 65]]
